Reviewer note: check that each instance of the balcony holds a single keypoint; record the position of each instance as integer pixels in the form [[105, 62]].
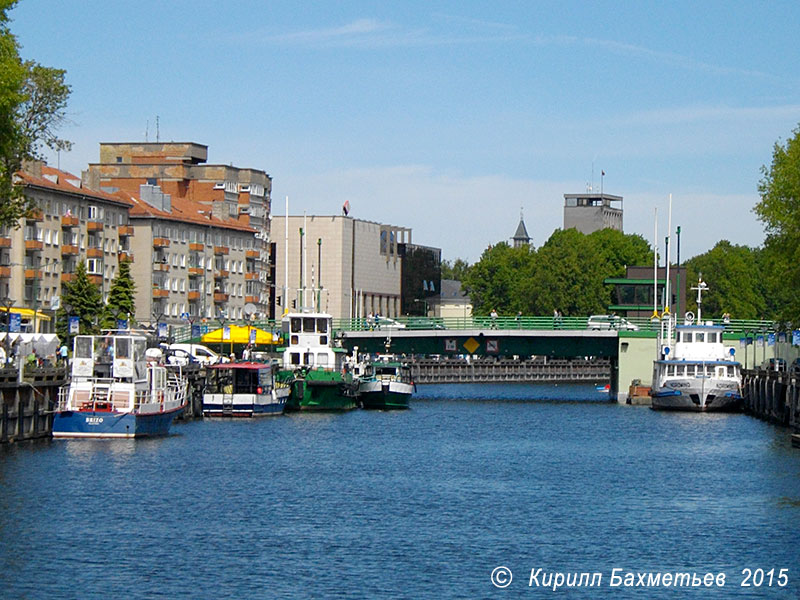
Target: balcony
[[221, 274], [251, 276], [69, 221], [220, 297], [94, 253], [35, 215], [5, 272], [251, 299], [160, 242], [221, 250], [94, 226], [67, 277], [125, 256], [193, 296], [33, 273], [160, 266], [196, 247], [195, 272], [159, 293], [125, 231], [251, 253], [96, 279], [33, 245], [69, 250], [5, 242]]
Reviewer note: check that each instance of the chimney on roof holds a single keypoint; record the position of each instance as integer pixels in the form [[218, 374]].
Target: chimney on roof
[[152, 195], [33, 167]]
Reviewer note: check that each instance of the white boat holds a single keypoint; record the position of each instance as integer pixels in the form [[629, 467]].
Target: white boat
[[243, 389], [114, 391], [694, 371]]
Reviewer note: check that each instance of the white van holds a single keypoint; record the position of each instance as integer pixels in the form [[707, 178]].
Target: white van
[[202, 354]]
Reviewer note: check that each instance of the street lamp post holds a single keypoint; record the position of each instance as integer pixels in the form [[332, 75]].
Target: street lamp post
[[8, 303]]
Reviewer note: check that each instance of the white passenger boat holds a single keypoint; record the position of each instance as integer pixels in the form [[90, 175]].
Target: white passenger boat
[[114, 391], [694, 371]]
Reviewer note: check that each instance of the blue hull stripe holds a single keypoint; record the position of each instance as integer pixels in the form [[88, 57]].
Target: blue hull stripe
[[109, 424]]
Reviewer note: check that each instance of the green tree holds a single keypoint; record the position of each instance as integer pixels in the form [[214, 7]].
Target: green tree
[[33, 102], [497, 279], [121, 302], [779, 210], [456, 270], [85, 300], [736, 284]]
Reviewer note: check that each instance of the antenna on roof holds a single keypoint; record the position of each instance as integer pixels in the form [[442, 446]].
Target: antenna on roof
[[157, 131], [146, 130]]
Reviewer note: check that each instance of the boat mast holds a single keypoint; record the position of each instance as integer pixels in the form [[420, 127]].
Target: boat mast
[[667, 298], [702, 286]]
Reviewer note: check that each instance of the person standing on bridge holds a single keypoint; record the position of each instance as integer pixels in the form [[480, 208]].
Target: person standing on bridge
[[493, 315]]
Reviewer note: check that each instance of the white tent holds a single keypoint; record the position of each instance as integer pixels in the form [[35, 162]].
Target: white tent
[[44, 344]]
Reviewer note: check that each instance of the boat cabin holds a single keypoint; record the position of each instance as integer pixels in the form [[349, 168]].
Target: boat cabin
[[700, 342], [116, 356], [240, 378], [309, 342]]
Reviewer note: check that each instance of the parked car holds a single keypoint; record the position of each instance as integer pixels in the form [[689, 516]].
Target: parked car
[[202, 354], [424, 323], [602, 322], [387, 323]]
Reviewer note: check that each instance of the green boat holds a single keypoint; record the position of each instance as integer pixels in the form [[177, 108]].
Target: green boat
[[385, 384], [312, 367]]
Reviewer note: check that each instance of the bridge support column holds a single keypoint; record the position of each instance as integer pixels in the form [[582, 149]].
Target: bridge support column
[[613, 388]]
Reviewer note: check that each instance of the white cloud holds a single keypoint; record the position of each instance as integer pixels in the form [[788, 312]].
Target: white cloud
[[464, 214]]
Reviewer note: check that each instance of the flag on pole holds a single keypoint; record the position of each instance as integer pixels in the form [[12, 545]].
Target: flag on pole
[[346, 207]]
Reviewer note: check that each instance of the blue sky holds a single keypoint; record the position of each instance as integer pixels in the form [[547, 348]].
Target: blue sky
[[446, 117]]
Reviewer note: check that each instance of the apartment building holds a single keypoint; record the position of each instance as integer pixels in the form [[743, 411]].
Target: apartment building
[[71, 223], [188, 262], [226, 192]]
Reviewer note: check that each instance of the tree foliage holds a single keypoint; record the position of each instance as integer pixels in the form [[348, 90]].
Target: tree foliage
[[736, 284], [84, 301], [121, 303], [455, 270], [779, 210], [33, 101], [565, 274]]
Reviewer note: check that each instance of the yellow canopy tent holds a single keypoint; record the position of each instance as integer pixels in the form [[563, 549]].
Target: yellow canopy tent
[[239, 334]]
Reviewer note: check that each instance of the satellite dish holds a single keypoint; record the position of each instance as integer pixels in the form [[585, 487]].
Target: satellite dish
[[250, 309]]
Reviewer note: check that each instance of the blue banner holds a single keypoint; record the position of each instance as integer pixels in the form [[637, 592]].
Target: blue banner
[[74, 325], [771, 339], [253, 336], [760, 341], [15, 322], [196, 331], [122, 323], [226, 332], [742, 342], [796, 337], [162, 330]]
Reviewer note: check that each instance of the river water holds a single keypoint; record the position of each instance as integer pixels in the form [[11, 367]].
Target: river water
[[424, 503]]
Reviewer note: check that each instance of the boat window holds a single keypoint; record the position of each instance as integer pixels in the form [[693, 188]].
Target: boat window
[[122, 347], [308, 325], [308, 359], [322, 359], [295, 340], [295, 358], [731, 371], [671, 370], [265, 380], [687, 337], [297, 324], [83, 347], [323, 340], [699, 337], [139, 347], [712, 337], [322, 325]]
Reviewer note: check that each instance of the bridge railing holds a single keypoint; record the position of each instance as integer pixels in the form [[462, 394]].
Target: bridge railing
[[743, 327]]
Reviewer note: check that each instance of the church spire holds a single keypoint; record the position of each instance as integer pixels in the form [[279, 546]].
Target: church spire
[[521, 237]]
